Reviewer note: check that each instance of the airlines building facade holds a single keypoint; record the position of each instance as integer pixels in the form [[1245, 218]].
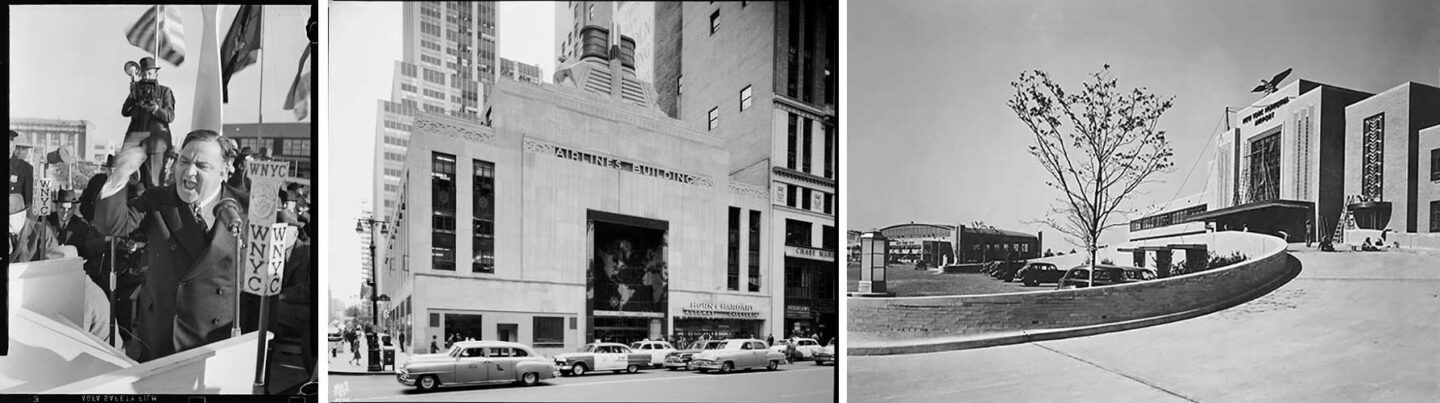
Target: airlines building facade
[[588, 214]]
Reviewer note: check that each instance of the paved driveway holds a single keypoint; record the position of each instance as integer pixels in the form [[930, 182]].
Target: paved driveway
[[1351, 327]]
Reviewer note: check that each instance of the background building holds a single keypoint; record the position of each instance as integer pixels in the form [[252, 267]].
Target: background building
[[760, 76], [1383, 171], [47, 135], [514, 70], [941, 244], [288, 142]]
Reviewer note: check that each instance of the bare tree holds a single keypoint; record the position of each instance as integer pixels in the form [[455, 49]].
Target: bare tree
[[1098, 146]]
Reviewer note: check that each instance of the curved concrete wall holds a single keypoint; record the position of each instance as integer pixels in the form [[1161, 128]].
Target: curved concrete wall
[[950, 316]]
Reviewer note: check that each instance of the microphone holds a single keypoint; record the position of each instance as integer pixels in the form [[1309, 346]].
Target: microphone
[[227, 213]]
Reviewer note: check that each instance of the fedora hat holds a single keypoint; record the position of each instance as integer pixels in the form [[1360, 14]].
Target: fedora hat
[[66, 195], [148, 63], [17, 203]]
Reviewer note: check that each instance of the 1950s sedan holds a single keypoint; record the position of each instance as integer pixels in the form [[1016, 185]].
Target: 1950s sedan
[[476, 362], [738, 354], [601, 357]]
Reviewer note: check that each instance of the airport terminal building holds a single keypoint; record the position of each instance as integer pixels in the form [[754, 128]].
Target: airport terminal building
[[1311, 161], [941, 244]]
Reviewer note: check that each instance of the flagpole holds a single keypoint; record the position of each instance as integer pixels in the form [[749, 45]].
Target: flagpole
[[159, 17], [261, 353]]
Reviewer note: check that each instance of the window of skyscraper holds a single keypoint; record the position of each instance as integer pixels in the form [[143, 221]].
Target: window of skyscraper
[[483, 209], [755, 251], [442, 200], [732, 271], [714, 118]]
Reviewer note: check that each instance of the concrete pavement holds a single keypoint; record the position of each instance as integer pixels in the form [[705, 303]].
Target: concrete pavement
[[1350, 327]]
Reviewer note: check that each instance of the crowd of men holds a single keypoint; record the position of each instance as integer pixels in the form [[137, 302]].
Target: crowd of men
[[167, 224]]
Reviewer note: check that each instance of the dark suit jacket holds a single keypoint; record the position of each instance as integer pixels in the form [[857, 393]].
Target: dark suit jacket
[[37, 242], [22, 180], [188, 298], [157, 122]]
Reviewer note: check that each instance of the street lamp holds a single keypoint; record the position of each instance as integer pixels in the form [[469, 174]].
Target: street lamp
[[382, 228], [874, 254]]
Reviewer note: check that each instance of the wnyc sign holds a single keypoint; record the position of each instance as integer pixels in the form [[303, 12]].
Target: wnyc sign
[[1266, 113]]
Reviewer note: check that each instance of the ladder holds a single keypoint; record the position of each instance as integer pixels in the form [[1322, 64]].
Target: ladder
[[1347, 222]]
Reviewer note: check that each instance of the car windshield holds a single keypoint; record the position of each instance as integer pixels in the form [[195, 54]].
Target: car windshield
[[715, 345], [589, 348], [1106, 275], [454, 351]]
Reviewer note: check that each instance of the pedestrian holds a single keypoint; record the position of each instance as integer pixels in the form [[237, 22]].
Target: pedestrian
[[402, 341], [434, 345], [22, 174], [355, 356], [770, 339]]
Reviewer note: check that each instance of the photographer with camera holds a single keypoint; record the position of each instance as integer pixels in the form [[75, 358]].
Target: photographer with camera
[[150, 107]]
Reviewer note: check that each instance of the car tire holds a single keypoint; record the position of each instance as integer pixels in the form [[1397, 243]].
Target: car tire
[[632, 368], [530, 379], [772, 365], [1031, 282], [427, 383], [726, 367], [578, 370]]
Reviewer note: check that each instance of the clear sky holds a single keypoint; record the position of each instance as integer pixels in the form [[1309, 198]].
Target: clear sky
[[67, 63], [364, 40], [931, 139]]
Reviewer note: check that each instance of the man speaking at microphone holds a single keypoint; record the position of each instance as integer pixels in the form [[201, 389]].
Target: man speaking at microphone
[[188, 298]]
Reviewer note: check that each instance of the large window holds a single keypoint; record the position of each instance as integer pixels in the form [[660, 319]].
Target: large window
[[714, 118], [797, 233], [1435, 165], [549, 331], [792, 192], [1435, 216], [830, 239], [732, 272], [1265, 168], [1372, 157], [792, 143], [483, 209], [805, 199], [442, 201], [829, 152], [808, 145], [755, 251]]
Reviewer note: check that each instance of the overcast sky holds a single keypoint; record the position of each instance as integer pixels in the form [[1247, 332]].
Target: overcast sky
[[364, 40], [931, 139], [67, 62]]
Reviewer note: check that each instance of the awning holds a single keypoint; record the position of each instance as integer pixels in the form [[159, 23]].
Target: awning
[[1249, 208]]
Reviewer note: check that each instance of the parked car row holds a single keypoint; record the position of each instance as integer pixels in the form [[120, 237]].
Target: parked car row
[[1034, 274], [481, 362]]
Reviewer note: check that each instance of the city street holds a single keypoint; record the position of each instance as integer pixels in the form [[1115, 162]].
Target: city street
[[1352, 327], [799, 383]]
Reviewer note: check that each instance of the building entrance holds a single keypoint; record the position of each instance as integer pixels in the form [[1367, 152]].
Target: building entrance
[[461, 327]]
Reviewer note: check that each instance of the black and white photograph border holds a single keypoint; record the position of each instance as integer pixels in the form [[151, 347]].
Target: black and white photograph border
[[1143, 201], [648, 193], [163, 250]]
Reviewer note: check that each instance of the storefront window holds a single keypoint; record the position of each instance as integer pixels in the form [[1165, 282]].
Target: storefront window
[[549, 331]]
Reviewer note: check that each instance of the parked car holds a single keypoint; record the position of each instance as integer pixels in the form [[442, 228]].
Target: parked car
[[1006, 270], [1039, 272], [826, 355], [680, 359], [738, 354], [476, 362], [657, 349], [804, 347], [1102, 275], [601, 357]]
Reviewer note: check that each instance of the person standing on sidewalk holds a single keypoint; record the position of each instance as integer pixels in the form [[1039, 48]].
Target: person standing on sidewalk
[[402, 341], [434, 345]]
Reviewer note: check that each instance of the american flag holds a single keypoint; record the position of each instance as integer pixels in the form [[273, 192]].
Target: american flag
[[171, 34]]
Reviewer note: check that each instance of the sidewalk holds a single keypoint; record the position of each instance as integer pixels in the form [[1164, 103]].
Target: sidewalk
[[340, 364]]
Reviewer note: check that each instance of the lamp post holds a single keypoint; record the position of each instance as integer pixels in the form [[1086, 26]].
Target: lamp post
[[374, 226], [874, 254]]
